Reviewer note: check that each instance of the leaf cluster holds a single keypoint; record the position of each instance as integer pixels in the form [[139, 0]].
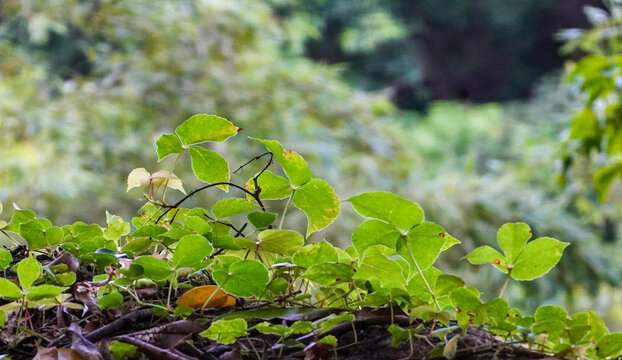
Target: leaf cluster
[[235, 252]]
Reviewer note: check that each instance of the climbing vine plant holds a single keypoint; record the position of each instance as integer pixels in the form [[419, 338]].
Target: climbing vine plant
[[238, 251]]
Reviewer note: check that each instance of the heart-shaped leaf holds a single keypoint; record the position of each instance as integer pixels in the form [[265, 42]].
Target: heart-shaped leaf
[[232, 206], [261, 219], [319, 202], [315, 254], [401, 213], [167, 144], [209, 166], [153, 268], [294, 165], [329, 273], [423, 244], [9, 291], [191, 250], [243, 278], [39, 235], [374, 232], [280, 241], [28, 271], [382, 263], [272, 186], [226, 331], [202, 127]]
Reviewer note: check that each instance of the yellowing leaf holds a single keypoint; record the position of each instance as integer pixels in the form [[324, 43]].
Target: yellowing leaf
[[165, 177], [196, 297], [138, 178]]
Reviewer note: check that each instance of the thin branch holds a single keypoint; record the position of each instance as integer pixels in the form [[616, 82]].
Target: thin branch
[[255, 195], [238, 232], [253, 159]]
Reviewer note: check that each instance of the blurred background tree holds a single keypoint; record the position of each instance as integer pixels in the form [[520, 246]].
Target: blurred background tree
[[87, 86]]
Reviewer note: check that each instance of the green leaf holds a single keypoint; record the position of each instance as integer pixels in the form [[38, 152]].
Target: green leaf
[[469, 309], [67, 278], [329, 340], [329, 273], [261, 219], [232, 206], [28, 270], [424, 242], [82, 231], [151, 230], [2, 319], [273, 187], [121, 350], [496, 311], [226, 331], [484, 255], [597, 326], [550, 312], [293, 164], [38, 236], [417, 288], [197, 224], [116, 227], [446, 283], [301, 327], [244, 278], [381, 263], [278, 286], [512, 238], [401, 213], [400, 334], [331, 321], [209, 166], [110, 301], [44, 292], [283, 242], [190, 251], [153, 268], [167, 144], [610, 345], [137, 244], [8, 290], [202, 127], [319, 202], [267, 328], [374, 232], [315, 254], [19, 217], [537, 258], [552, 328], [449, 242], [5, 259]]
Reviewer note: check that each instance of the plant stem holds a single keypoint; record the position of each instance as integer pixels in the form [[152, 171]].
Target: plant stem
[[253, 346], [505, 285], [286, 207], [10, 238], [170, 290], [412, 256]]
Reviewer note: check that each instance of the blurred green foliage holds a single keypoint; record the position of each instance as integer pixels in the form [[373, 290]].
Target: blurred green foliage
[[86, 87], [596, 130]]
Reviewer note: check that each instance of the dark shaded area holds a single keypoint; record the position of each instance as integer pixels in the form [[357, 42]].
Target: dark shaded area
[[479, 51]]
